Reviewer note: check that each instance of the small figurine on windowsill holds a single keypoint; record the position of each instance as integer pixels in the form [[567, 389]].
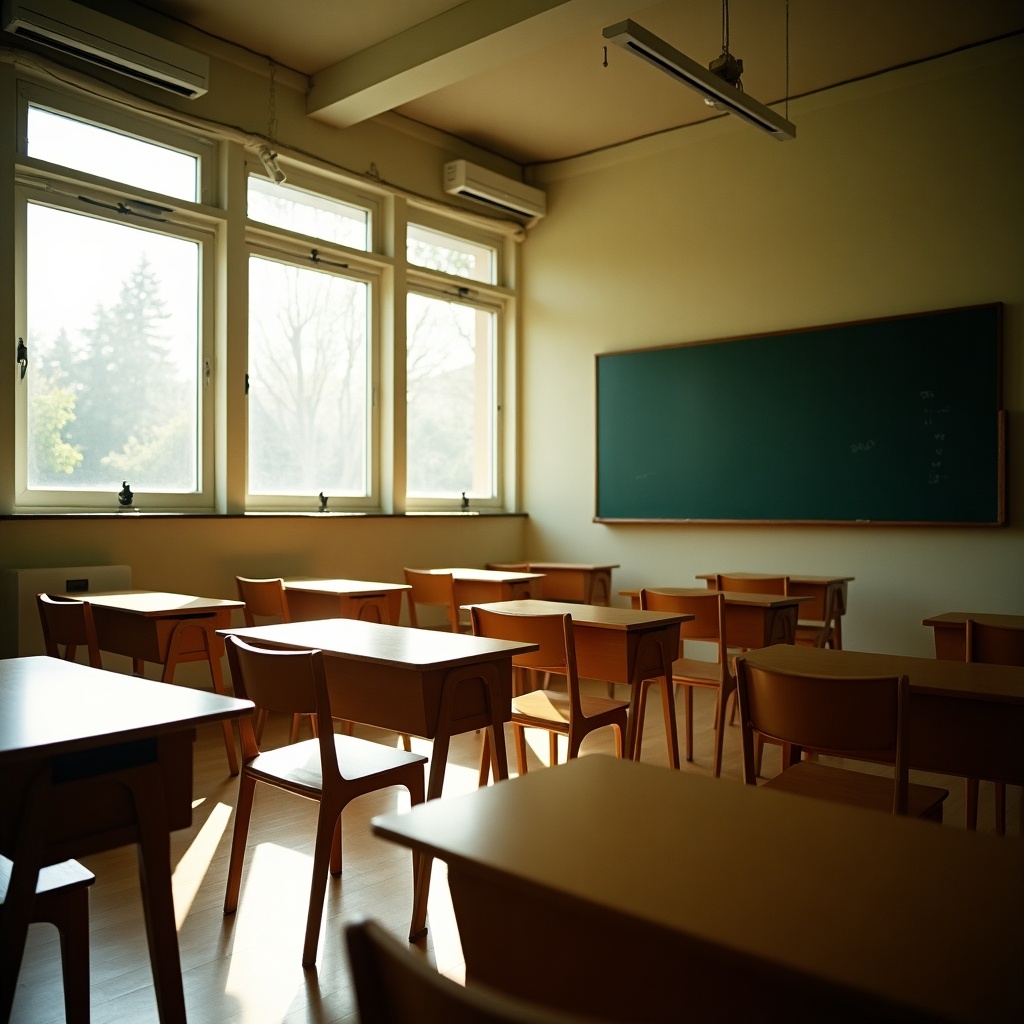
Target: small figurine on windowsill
[[125, 496], [465, 502], [323, 502]]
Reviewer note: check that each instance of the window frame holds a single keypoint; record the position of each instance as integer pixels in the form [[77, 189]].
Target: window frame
[[491, 299], [290, 248], [29, 190], [115, 119]]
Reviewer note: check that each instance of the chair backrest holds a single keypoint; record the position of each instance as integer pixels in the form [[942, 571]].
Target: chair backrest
[[395, 986], [68, 623], [763, 585], [707, 609], [432, 588], [995, 645], [863, 717], [553, 634], [263, 598], [290, 681]]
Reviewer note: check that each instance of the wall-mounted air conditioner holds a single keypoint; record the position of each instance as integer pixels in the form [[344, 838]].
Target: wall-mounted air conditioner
[[461, 178], [85, 33]]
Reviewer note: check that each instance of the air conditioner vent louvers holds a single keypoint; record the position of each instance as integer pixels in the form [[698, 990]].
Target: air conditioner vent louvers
[[461, 178]]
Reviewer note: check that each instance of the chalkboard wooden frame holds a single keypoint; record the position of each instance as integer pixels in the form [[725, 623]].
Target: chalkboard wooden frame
[[889, 421]]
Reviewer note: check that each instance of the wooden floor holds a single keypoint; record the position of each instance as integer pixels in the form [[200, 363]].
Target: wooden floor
[[245, 967]]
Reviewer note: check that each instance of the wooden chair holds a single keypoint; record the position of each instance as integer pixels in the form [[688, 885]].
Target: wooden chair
[[766, 585], [863, 718], [266, 599], [821, 633], [992, 645], [396, 986], [68, 623], [708, 626], [432, 588], [570, 714], [62, 899], [331, 769]]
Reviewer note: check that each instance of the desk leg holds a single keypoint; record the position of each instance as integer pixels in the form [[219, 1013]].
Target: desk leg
[[154, 853], [205, 627], [488, 676]]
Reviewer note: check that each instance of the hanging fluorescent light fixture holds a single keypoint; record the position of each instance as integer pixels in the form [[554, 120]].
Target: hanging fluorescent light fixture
[[718, 91]]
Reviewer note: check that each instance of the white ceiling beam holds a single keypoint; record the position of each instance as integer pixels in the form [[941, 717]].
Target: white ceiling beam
[[467, 40]]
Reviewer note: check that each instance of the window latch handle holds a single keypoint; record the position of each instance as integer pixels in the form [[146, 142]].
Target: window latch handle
[[22, 357]]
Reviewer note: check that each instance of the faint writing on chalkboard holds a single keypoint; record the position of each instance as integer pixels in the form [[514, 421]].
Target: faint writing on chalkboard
[[935, 418], [862, 446]]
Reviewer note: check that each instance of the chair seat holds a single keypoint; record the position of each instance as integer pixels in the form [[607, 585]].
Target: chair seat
[[551, 708], [697, 672], [298, 764], [857, 789]]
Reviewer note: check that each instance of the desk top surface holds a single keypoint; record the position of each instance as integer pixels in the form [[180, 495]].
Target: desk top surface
[[985, 618], [834, 891], [156, 603], [794, 578], [50, 706], [399, 646], [353, 588], [731, 596], [488, 575], [597, 615], [1004, 683]]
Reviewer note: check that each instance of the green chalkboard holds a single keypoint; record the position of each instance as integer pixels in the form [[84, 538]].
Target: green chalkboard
[[880, 421]]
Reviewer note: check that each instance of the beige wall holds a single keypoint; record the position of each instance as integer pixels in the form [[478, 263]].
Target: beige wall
[[900, 194]]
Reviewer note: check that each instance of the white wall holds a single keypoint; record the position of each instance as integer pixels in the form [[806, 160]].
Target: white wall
[[900, 194]]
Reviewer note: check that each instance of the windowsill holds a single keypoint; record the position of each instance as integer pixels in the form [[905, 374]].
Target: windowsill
[[330, 514]]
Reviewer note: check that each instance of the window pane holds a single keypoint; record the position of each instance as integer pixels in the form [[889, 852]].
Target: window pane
[[108, 154], [309, 214], [308, 381], [450, 379], [437, 251], [113, 387]]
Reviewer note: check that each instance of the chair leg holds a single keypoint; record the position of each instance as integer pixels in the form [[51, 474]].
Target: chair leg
[[336, 849], [641, 709], [485, 761], [519, 738], [328, 833], [553, 749], [720, 704], [972, 804], [243, 811], [688, 720], [261, 724]]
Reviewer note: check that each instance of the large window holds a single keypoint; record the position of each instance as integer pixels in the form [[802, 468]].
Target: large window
[[218, 359], [311, 330], [308, 381], [114, 324], [451, 413]]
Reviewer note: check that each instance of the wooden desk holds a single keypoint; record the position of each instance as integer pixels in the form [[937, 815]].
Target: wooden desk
[[821, 589], [417, 681], [751, 620], [167, 629], [581, 584], [92, 760], [474, 586], [619, 645], [664, 896], [349, 599], [951, 630], [965, 719]]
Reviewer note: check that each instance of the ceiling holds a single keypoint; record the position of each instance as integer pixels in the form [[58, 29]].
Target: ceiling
[[541, 88]]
